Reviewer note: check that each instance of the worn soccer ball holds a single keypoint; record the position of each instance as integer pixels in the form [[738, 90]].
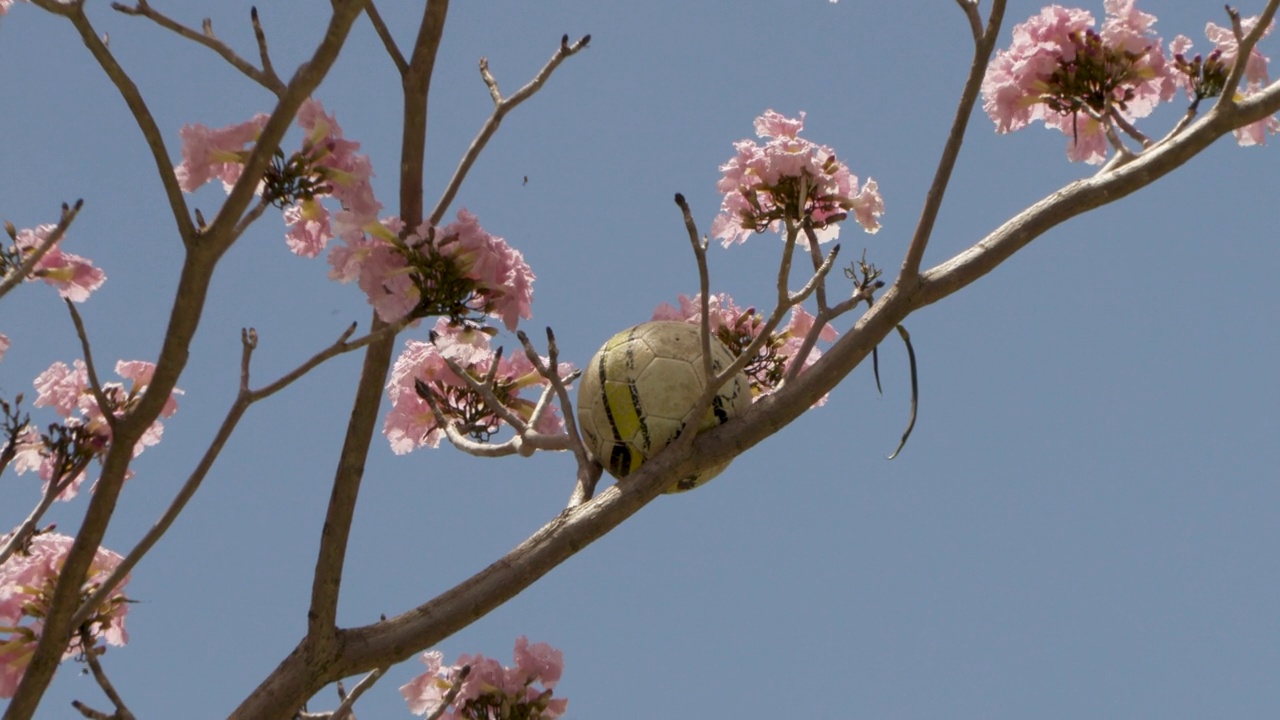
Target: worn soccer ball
[[638, 392]]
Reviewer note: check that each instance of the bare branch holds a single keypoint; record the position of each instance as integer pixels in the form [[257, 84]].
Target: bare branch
[[388, 42], [699, 246], [501, 108], [264, 55], [951, 151], [91, 657], [137, 106], [15, 278], [336, 530], [343, 711], [266, 77], [244, 398], [57, 484], [108, 412], [970, 9]]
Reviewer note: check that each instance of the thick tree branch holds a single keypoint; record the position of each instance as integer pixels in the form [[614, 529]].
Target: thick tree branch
[[398, 638], [331, 557], [184, 318]]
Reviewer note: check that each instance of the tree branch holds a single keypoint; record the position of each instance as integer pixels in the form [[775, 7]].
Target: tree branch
[[15, 278], [330, 558], [184, 318], [500, 109], [266, 77], [964, 110], [384, 34], [137, 106]]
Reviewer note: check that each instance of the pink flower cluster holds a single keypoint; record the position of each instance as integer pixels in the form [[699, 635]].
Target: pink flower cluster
[[74, 277], [1083, 82], [67, 391], [738, 328], [411, 424], [209, 153], [345, 174], [455, 270], [27, 579], [785, 180], [1256, 76], [490, 690]]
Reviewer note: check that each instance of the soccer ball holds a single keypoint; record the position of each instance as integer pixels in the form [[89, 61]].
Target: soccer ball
[[638, 392]]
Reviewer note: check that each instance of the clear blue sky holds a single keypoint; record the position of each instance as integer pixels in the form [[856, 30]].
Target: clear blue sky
[[1083, 525]]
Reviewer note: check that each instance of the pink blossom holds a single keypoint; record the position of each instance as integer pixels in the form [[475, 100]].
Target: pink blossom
[[4, 345], [1256, 76], [501, 275], [1016, 77], [60, 387], [209, 153], [387, 280], [394, 272], [1129, 29], [723, 312], [489, 687], [425, 692], [410, 423], [346, 260], [540, 661], [309, 229], [346, 176], [1031, 80], [762, 184], [67, 391], [27, 579], [74, 277]]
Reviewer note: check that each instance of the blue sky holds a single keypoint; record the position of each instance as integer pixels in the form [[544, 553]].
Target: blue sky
[[1083, 523]]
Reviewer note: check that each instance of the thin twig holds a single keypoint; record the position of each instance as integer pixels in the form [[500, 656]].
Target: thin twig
[[56, 486], [1129, 129], [699, 246], [266, 77], [244, 398], [815, 256], [970, 8], [343, 711], [29, 262], [452, 694], [384, 34], [501, 108], [91, 657], [108, 412], [951, 151], [550, 371], [264, 55]]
